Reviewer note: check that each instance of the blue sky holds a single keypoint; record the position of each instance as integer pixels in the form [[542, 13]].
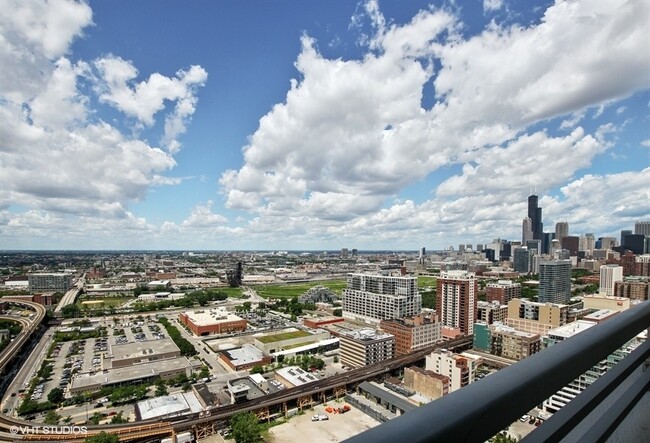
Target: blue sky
[[319, 125]]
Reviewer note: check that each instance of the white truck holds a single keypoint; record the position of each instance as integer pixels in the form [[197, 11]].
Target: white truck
[[319, 417]]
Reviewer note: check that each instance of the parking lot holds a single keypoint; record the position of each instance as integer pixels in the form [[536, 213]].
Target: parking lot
[[337, 427], [86, 355]]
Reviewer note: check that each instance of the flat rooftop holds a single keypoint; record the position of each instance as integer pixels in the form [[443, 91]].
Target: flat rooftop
[[296, 376], [571, 329], [120, 375], [143, 349], [169, 405], [366, 335], [207, 317], [600, 315], [247, 354], [247, 385]]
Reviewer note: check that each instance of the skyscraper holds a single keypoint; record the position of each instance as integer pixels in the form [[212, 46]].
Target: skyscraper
[[642, 228], [624, 233], [561, 230], [526, 230], [521, 263], [456, 297], [554, 281], [535, 215]]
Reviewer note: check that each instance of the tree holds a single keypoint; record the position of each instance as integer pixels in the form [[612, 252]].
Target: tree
[[204, 372], [502, 437], [70, 311], [103, 437], [161, 390], [95, 418], [245, 428], [51, 417], [55, 396], [118, 418]]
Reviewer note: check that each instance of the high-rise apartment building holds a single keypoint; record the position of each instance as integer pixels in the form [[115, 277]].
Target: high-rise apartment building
[[57, 282], [456, 297], [522, 260], [609, 275], [503, 291], [554, 281], [561, 230], [372, 298]]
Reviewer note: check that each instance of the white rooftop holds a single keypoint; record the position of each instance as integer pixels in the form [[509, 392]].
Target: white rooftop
[[213, 316], [296, 376], [245, 355], [169, 405], [571, 329]]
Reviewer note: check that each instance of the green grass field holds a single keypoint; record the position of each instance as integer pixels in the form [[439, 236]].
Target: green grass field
[[283, 336], [426, 281], [296, 289], [232, 292]]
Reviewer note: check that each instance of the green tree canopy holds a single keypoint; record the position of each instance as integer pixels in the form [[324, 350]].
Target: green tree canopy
[[55, 396], [245, 428]]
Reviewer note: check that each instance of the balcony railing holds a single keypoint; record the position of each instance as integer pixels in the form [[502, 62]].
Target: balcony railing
[[482, 409]]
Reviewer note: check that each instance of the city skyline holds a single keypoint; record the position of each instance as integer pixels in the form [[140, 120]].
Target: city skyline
[[319, 126]]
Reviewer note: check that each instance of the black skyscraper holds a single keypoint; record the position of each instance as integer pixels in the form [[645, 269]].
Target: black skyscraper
[[535, 215]]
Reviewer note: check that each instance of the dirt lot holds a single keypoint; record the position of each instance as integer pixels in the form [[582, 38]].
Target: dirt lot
[[339, 427]]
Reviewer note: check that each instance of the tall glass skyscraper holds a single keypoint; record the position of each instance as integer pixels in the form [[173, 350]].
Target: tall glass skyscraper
[[554, 281]]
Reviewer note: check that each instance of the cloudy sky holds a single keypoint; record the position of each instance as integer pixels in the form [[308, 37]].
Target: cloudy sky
[[319, 124]]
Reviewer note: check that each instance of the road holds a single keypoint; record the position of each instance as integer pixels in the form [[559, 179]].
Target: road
[[71, 295]]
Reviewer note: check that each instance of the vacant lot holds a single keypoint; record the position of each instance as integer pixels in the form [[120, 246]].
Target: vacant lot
[[338, 428], [296, 289]]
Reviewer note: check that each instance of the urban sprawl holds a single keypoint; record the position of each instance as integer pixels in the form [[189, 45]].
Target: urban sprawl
[[129, 337]]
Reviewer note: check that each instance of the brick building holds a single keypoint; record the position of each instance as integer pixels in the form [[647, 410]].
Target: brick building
[[212, 321], [426, 383], [412, 333], [503, 291]]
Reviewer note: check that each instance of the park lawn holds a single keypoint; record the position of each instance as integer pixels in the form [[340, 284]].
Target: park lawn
[[424, 281], [232, 292], [283, 336], [295, 289]]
